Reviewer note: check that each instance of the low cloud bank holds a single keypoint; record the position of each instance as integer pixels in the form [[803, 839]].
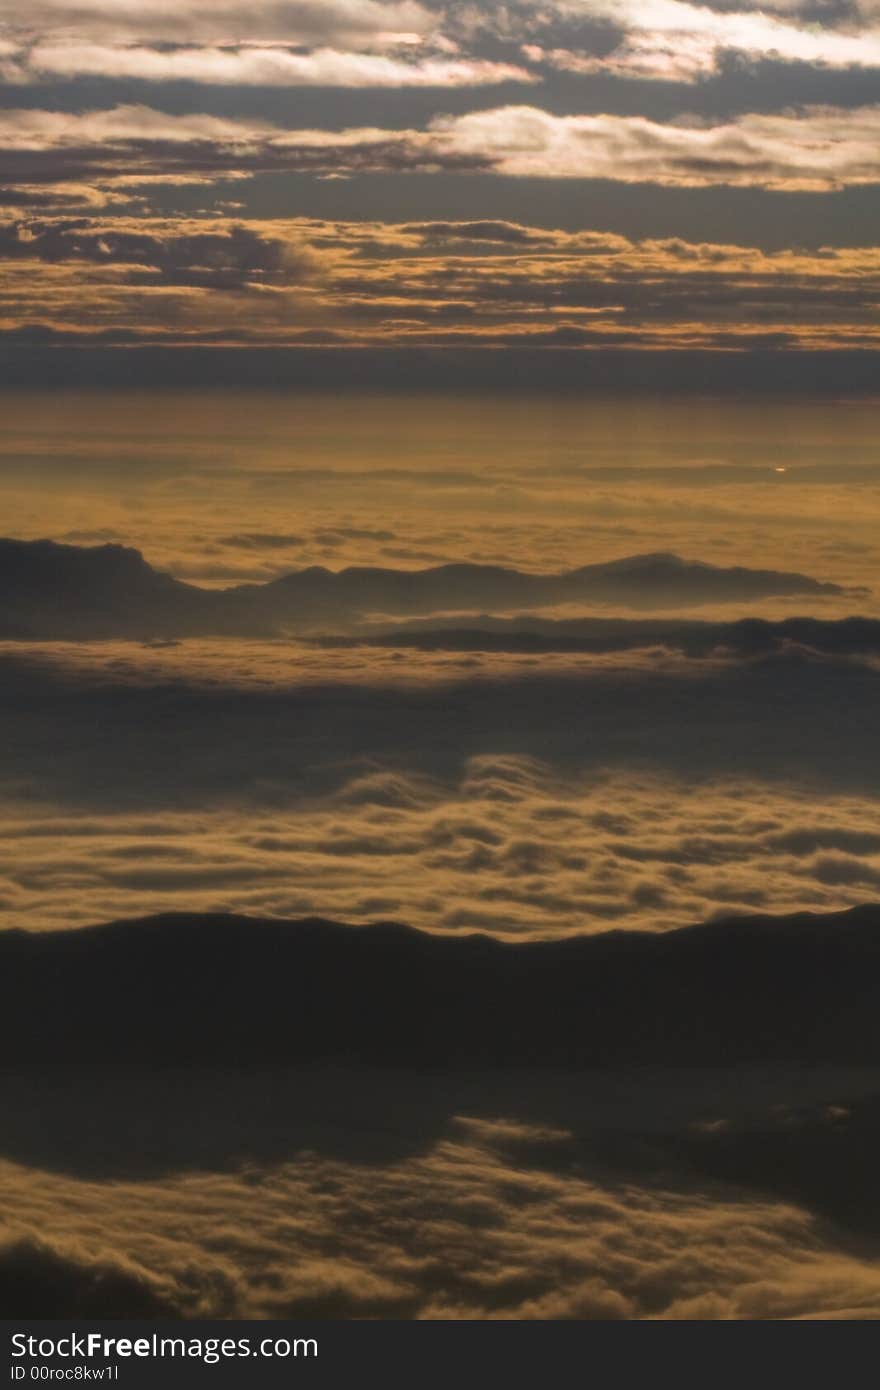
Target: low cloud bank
[[489, 1221], [511, 849]]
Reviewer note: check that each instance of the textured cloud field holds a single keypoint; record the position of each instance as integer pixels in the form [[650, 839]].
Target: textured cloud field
[[311, 282], [495, 1219], [512, 848], [359, 173], [398, 45]]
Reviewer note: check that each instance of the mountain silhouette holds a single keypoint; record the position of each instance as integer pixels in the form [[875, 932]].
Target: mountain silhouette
[[182, 989], [53, 591], [65, 592]]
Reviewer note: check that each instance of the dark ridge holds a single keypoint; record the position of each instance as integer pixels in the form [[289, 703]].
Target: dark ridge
[[64, 592], [641, 581], [52, 591], [220, 989], [746, 637]]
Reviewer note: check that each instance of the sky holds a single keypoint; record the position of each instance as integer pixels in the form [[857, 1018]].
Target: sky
[[440, 486], [588, 175]]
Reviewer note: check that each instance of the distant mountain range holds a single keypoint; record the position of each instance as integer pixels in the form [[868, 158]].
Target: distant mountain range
[[65, 592], [236, 991]]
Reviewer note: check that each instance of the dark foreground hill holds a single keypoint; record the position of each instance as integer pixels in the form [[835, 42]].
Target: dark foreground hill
[[220, 989], [51, 592]]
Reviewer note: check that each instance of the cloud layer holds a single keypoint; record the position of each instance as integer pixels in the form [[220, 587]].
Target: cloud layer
[[818, 148], [485, 1223], [489, 283], [512, 849], [443, 109], [672, 41], [366, 42]]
